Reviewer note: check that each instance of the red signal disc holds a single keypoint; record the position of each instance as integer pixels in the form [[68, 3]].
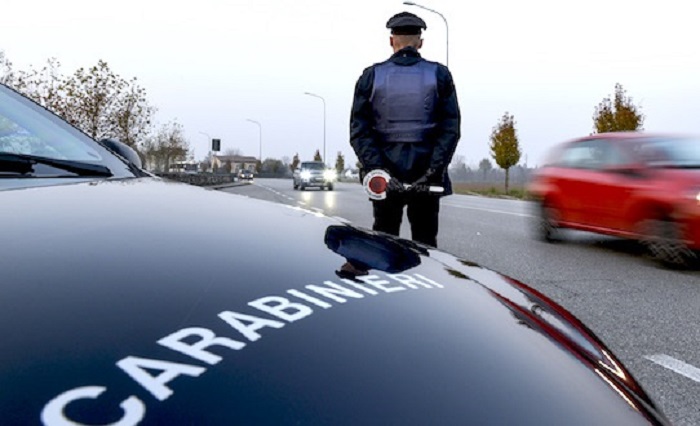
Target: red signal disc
[[377, 184]]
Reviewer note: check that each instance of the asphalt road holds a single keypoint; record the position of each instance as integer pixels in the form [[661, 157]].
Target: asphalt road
[[647, 315]]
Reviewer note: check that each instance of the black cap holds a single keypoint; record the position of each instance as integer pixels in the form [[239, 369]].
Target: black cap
[[406, 23]]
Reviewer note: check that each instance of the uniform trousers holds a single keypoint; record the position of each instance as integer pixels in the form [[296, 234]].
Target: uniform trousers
[[422, 210]]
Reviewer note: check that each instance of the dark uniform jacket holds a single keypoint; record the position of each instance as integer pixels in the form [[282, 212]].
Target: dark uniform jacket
[[407, 161]]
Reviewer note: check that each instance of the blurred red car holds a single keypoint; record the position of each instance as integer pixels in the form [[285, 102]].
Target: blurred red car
[[627, 184]]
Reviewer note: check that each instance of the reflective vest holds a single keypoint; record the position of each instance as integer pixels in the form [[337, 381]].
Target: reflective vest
[[404, 100]]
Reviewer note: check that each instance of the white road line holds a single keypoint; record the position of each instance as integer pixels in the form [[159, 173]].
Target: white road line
[[488, 210], [280, 194], [676, 365]]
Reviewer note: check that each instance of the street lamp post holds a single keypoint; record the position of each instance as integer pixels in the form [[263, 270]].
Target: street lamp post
[[211, 157], [259, 137], [447, 30], [324, 122]]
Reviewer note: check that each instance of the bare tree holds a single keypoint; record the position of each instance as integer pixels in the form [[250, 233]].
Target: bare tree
[[485, 166], [206, 164], [96, 100], [165, 147], [91, 99], [131, 116], [274, 167], [6, 72], [45, 86], [101, 103], [458, 168]]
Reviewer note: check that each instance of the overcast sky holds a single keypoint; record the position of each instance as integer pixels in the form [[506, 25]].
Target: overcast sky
[[212, 64]]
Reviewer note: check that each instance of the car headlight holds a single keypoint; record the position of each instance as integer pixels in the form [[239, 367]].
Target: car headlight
[[305, 174], [330, 175], [693, 195]]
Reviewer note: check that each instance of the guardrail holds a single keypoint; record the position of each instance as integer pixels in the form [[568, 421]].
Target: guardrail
[[199, 179]]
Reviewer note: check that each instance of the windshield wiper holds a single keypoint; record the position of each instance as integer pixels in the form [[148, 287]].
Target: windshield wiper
[[24, 164]]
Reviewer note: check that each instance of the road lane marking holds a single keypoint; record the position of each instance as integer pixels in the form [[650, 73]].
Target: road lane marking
[[445, 204], [488, 210], [278, 193], [676, 365]]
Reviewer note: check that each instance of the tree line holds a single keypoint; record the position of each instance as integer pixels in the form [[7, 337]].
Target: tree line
[[103, 105], [613, 114]]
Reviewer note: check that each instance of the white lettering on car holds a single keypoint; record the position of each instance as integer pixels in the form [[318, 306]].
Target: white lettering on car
[[247, 325], [360, 287], [156, 385], [380, 283], [196, 350], [332, 290], [53, 415], [409, 281], [250, 331], [318, 302], [280, 307]]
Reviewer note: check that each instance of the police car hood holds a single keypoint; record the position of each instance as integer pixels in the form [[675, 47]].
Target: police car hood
[[147, 302]]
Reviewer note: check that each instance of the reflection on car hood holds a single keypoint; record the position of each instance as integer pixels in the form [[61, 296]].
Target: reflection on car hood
[[108, 287], [22, 183]]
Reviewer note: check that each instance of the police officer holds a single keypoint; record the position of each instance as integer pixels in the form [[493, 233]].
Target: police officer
[[405, 120]]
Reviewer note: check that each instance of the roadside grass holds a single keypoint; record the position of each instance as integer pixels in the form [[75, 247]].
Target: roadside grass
[[485, 189], [491, 189]]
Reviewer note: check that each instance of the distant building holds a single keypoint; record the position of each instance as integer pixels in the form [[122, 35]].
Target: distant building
[[238, 162]]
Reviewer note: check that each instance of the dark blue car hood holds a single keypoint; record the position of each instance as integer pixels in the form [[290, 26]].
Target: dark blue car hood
[[146, 301]]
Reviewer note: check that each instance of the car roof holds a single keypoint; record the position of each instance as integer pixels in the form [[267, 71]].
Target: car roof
[[627, 136]]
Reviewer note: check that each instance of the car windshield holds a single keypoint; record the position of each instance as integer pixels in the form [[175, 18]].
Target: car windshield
[[673, 152], [313, 166], [27, 129]]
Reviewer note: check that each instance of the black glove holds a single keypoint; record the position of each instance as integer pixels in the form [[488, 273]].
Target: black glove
[[426, 178], [423, 188], [394, 185], [423, 183]]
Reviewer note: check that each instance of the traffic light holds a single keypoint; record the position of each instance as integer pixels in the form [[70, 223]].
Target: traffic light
[[216, 145]]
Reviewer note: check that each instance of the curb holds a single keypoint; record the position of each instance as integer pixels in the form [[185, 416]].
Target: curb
[[227, 185]]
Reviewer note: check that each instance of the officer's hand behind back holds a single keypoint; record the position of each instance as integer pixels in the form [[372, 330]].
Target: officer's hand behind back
[[394, 185], [423, 183]]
